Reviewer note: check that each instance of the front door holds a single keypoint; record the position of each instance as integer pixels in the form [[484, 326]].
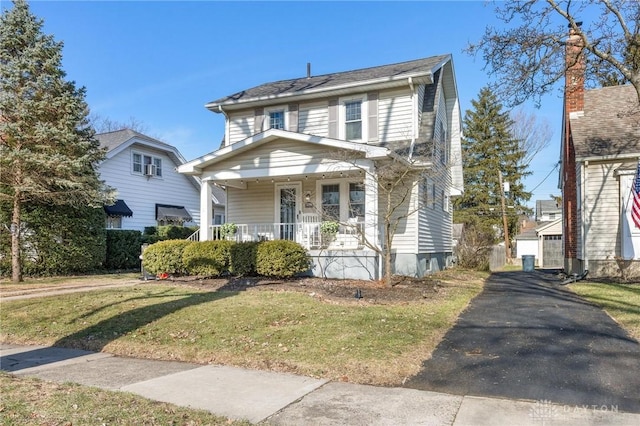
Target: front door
[[287, 209]]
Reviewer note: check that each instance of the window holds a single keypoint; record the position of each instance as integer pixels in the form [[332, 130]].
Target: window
[[356, 201], [218, 219], [443, 144], [140, 162], [445, 201], [331, 201], [113, 222], [276, 119], [137, 163], [353, 120]]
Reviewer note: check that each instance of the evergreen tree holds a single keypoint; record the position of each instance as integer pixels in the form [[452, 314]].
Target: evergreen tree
[[48, 151], [488, 150]]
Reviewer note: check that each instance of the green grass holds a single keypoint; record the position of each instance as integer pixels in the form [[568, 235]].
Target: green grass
[[28, 401], [621, 301], [281, 331], [6, 286]]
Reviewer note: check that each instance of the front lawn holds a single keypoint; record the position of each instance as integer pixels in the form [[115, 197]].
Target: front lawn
[[294, 331], [620, 301]]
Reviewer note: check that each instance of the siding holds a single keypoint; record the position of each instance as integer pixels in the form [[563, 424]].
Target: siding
[[142, 194], [395, 116], [313, 119], [253, 205], [435, 230], [275, 154], [241, 125], [601, 212], [404, 240]]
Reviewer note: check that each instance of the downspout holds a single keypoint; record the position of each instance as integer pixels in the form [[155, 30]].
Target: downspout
[[226, 126], [583, 208], [413, 121]]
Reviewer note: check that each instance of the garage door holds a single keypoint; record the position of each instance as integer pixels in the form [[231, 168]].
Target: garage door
[[552, 252]]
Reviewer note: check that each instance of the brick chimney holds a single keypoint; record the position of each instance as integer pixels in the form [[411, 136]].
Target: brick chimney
[[574, 74], [573, 104]]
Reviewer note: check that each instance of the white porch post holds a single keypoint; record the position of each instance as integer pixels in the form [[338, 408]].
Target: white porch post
[[206, 211], [371, 204]]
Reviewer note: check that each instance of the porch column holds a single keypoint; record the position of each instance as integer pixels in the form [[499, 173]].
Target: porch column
[[371, 211], [206, 211]]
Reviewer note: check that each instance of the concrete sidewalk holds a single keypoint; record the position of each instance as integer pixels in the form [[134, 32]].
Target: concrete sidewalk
[[286, 399]]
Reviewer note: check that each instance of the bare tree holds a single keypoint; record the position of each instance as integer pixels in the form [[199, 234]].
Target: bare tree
[[526, 55], [533, 134], [396, 179], [104, 124]]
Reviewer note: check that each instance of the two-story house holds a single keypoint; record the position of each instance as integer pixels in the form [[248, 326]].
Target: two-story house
[[301, 152], [150, 191]]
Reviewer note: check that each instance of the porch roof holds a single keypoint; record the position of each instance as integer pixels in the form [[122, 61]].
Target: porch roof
[[196, 167]]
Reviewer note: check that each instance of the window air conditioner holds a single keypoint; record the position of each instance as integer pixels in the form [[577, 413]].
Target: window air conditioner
[[149, 169]]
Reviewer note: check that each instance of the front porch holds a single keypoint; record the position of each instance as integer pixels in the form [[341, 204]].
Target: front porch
[[308, 233]]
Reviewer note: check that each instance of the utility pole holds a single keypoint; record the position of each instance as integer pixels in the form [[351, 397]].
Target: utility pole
[[505, 225]]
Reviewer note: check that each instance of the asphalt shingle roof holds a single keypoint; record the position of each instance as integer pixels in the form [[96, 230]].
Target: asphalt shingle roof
[[610, 125], [328, 81], [112, 140]]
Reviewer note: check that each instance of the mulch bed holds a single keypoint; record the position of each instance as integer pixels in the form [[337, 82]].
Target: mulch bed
[[402, 290]]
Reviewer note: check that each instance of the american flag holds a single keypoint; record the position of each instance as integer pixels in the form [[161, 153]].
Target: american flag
[[635, 203]]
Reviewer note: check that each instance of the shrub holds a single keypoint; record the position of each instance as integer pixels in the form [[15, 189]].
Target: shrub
[[243, 258], [207, 258], [165, 257], [123, 249], [281, 258], [172, 232], [228, 230], [474, 248]]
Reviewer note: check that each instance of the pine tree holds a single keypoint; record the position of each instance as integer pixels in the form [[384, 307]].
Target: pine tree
[[48, 151], [488, 149]]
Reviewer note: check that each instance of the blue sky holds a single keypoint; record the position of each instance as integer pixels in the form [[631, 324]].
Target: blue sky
[[161, 61]]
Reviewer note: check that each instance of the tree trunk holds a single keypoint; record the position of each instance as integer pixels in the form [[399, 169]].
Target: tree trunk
[[387, 257], [16, 267]]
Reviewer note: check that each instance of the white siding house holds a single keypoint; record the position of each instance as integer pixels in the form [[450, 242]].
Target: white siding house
[[150, 191], [304, 151]]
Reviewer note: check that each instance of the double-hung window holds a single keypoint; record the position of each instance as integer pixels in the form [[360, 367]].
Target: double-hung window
[[353, 120], [356, 201], [276, 119], [331, 201], [147, 165]]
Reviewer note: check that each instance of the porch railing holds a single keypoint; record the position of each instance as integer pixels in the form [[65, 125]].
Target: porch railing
[[306, 234]]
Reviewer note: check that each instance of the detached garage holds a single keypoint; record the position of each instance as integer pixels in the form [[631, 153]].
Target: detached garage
[[550, 245]]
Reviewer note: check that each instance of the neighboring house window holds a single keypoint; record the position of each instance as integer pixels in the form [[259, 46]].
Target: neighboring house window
[[552, 216], [276, 119], [113, 222], [356, 201], [146, 165], [353, 120], [443, 144], [331, 201], [218, 219]]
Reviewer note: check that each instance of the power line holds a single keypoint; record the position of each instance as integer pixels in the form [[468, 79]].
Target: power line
[[546, 177]]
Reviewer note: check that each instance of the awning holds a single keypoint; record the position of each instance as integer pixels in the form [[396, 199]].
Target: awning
[[172, 213], [120, 208]]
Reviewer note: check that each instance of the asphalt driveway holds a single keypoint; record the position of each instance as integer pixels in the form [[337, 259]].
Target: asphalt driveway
[[527, 337]]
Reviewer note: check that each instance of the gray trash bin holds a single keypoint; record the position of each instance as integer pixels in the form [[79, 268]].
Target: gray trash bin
[[528, 262]]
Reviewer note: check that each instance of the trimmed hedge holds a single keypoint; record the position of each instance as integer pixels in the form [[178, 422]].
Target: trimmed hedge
[[123, 249], [244, 258], [165, 257], [207, 258], [281, 258]]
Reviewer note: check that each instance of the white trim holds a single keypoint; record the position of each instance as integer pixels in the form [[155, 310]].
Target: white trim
[[195, 167]]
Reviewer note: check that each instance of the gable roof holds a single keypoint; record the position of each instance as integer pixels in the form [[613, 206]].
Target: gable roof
[[118, 140], [610, 125], [340, 82], [196, 166]]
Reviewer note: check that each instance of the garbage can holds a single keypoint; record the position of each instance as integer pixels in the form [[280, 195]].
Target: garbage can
[[528, 262]]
